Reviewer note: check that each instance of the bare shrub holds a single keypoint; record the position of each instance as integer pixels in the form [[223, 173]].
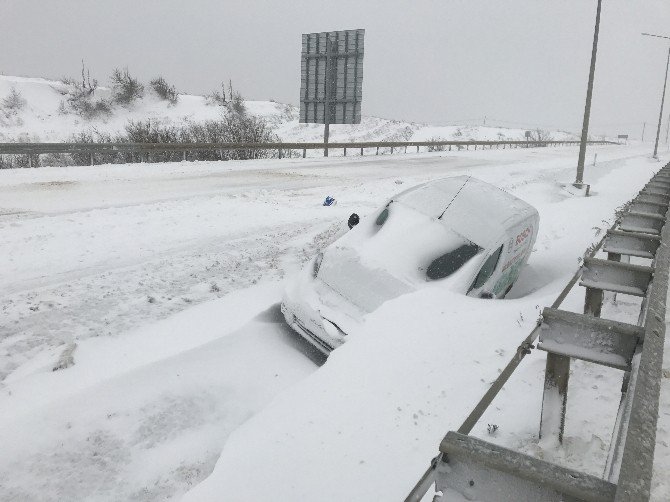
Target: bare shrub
[[85, 88], [125, 88], [14, 102], [91, 109], [57, 159], [148, 132], [164, 90], [240, 128], [237, 105], [216, 98], [80, 97], [231, 128], [234, 102], [436, 148], [93, 136], [23, 160], [288, 113], [6, 162], [540, 135]]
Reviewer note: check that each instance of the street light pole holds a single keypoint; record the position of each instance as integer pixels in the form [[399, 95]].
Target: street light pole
[[660, 114], [665, 83], [579, 181]]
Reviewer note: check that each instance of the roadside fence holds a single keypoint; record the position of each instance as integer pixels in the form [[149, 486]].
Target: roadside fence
[[37, 154]]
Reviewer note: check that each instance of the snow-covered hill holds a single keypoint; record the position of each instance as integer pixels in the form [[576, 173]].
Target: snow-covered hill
[[46, 117]]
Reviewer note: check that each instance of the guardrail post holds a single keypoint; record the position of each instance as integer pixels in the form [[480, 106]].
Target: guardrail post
[[593, 302], [555, 396], [345, 151], [614, 256], [391, 150], [90, 160], [304, 153], [377, 151], [417, 148], [30, 161], [361, 152], [279, 150], [557, 374]]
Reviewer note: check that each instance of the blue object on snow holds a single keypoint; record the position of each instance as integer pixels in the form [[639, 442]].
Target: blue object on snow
[[329, 201]]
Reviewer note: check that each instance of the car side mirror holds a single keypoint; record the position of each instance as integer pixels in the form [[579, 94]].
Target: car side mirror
[[353, 220], [487, 295]]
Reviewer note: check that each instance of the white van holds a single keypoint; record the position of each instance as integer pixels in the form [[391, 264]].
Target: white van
[[471, 236]]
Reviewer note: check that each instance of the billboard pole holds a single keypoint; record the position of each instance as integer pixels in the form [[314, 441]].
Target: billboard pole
[[326, 104]]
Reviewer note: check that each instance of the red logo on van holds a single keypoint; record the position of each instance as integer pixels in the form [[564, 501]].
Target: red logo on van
[[523, 235]]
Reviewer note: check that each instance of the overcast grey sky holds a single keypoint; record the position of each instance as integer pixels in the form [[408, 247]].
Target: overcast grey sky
[[519, 63]]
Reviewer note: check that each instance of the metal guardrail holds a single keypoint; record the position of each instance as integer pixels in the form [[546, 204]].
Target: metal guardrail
[[281, 147], [504, 474], [637, 459]]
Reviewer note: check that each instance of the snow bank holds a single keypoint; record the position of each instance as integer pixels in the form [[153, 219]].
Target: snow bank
[[365, 425]]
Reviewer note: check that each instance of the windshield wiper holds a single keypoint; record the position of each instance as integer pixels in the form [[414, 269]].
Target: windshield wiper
[[454, 198]]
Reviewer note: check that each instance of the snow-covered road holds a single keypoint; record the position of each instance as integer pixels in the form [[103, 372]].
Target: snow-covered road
[[98, 251], [167, 278]]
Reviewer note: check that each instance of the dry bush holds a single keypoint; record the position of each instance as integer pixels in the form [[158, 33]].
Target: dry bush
[[164, 90], [13, 103], [125, 88]]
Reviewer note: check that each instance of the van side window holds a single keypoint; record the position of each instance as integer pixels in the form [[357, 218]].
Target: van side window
[[383, 216], [450, 262], [487, 269]]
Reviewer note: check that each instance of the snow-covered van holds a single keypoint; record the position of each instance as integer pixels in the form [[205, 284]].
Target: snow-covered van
[[469, 236]]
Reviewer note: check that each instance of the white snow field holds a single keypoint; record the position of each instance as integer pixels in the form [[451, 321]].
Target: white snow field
[[155, 288]]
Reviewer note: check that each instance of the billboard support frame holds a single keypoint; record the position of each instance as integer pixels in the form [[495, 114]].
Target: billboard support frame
[[331, 79]]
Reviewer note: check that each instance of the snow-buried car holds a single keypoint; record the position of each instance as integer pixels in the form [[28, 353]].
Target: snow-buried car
[[470, 236]]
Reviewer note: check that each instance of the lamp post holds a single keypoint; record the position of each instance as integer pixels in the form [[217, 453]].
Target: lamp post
[[579, 180], [665, 83]]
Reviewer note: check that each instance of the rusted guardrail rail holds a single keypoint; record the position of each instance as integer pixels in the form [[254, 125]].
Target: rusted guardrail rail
[[145, 149], [478, 470]]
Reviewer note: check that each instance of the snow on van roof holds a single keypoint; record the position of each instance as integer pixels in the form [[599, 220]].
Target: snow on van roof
[[475, 209]]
